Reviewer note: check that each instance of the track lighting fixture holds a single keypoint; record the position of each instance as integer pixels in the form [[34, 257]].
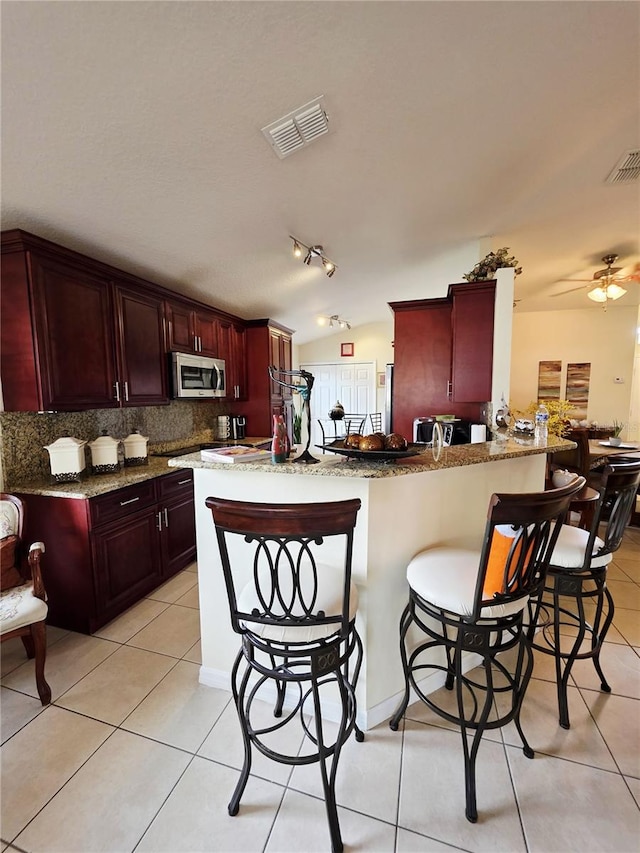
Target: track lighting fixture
[[313, 252], [334, 320]]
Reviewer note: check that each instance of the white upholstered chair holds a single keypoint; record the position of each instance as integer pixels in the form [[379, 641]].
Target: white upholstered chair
[[23, 605]]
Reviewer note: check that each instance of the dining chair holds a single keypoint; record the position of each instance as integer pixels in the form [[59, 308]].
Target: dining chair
[[465, 602], [295, 611], [375, 421], [577, 577], [23, 600]]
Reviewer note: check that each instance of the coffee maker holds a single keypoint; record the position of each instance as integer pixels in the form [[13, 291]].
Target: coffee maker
[[238, 427]]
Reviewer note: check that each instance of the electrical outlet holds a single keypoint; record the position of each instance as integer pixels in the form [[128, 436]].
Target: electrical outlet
[[618, 380]]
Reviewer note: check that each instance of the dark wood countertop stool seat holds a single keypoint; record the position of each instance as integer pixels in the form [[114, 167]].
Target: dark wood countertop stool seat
[[287, 570], [577, 581], [23, 601], [464, 601]]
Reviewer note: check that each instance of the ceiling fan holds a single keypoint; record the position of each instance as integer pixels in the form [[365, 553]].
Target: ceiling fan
[[605, 283]]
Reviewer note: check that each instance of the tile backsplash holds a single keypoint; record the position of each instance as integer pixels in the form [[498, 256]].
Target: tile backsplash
[[24, 434]]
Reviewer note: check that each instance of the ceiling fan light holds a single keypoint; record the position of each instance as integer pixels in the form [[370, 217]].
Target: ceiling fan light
[[598, 294], [614, 291]]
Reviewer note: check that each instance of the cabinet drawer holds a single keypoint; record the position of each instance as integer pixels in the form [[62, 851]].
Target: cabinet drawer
[[122, 503], [178, 483]]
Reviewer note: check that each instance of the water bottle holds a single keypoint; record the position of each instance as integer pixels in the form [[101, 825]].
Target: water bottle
[[542, 424]]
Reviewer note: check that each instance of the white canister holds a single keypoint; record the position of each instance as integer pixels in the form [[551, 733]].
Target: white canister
[[67, 459], [135, 449], [104, 455]]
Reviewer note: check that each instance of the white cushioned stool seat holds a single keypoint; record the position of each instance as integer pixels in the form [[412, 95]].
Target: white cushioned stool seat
[[20, 607], [328, 599], [569, 552], [446, 577]]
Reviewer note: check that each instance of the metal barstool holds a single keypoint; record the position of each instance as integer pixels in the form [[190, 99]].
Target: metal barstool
[[577, 576], [296, 615], [475, 602]]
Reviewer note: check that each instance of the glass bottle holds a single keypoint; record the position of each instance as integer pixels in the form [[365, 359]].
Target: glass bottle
[[279, 440]]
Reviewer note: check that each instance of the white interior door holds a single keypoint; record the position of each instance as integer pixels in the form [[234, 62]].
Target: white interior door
[[352, 384]]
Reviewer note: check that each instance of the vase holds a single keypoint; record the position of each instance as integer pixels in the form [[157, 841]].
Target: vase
[[279, 441]]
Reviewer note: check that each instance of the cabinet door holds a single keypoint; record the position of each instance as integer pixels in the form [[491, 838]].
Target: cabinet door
[[180, 320], [127, 561], [178, 537], [206, 327], [74, 331], [422, 359], [274, 359], [232, 348], [285, 362], [143, 366], [472, 353]]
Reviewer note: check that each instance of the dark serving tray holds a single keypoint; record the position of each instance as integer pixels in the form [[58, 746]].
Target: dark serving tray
[[371, 455]]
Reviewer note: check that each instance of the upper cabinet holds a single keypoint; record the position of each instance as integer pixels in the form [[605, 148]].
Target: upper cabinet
[[472, 344], [78, 334], [192, 330], [73, 337], [268, 343], [232, 347], [443, 354]]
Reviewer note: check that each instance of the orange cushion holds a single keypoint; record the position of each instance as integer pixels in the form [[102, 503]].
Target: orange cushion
[[501, 542]]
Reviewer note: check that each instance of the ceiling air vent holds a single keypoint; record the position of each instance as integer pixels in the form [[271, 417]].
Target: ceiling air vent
[[297, 129], [627, 169]]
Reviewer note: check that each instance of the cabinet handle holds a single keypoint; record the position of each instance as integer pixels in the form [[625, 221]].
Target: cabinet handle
[[182, 482], [159, 521], [449, 389], [199, 344], [116, 385], [130, 501], [126, 392], [166, 517]]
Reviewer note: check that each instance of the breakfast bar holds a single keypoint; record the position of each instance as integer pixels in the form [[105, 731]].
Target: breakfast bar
[[407, 505]]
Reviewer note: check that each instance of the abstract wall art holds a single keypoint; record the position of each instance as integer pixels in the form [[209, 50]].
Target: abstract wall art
[[578, 377], [549, 373]]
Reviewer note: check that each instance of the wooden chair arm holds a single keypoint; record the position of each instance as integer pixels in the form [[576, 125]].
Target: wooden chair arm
[[35, 551]]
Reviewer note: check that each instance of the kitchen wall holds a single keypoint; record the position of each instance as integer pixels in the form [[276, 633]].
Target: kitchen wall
[[605, 339], [371, 342], [24, 434]]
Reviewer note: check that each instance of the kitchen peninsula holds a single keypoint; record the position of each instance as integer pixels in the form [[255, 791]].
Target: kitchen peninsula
[[407, 505]]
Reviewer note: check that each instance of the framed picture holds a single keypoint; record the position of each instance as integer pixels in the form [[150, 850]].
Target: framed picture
[[346, 349], [381, 380]]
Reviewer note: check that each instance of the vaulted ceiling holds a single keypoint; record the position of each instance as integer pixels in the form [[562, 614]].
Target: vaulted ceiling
[[132, 131]]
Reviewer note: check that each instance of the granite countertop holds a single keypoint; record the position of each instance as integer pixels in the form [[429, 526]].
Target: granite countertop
[[332, 465], [93, 485]]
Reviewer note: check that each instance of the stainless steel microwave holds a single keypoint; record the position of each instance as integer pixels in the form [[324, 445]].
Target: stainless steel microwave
[[197, 377]]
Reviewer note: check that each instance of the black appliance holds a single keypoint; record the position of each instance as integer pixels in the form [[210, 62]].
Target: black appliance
[[457, 431], [238, 427]]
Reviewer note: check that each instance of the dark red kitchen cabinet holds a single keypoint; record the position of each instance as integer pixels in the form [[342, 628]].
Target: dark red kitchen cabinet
[[443, 355], [268, 343], [105, 553], [192, 329], [422, 361], [472, 350], [142, 366], [232, 346], [74, 335], [177, 520], [126, 561]]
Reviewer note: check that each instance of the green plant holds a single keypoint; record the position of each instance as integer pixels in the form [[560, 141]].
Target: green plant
[[485, 268], [617, 428], [559, 412], [297, 428]]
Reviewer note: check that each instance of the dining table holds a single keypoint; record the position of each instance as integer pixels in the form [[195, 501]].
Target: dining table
[[600, 452]]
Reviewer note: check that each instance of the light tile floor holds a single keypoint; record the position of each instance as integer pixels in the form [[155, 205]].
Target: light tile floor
[[134, 754]]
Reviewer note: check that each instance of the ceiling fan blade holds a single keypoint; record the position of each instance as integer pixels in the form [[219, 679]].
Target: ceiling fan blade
[[577, 279], [571, 290]]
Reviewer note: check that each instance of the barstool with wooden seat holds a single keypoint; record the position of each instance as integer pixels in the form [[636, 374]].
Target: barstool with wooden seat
[[577, 576], [295, 611], [474, 602]]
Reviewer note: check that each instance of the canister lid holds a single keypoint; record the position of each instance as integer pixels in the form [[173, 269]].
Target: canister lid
[[66, 442]]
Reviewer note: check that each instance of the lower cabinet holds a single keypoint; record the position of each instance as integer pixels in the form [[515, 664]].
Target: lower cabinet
[[104, 554]]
